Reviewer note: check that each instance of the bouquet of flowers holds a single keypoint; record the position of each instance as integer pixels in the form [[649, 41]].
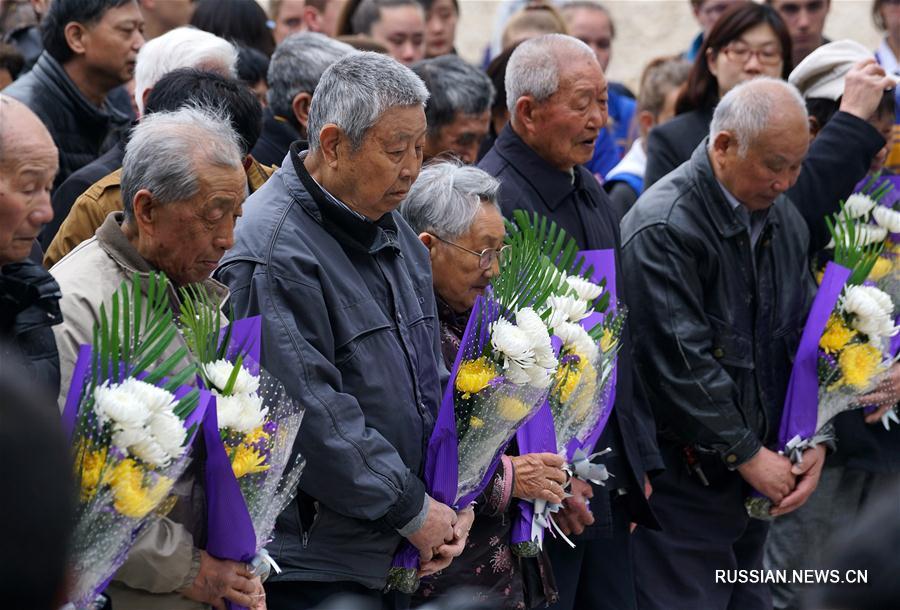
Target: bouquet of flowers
[[131, 413], [252, 471], [583, 390], [845, 347]]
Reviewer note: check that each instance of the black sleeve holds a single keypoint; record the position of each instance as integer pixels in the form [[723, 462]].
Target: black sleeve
[[662, 157], [622, 197], [838, 159]]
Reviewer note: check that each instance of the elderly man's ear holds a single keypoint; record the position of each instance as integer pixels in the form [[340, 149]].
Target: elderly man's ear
[[330, 141], [144, 210], [527, 112], [300, 106], [723, 142], [429, 241]]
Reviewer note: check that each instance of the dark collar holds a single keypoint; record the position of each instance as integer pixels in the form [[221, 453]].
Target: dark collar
[[456, 321], [724, 217], [279, 130], [552, 185], [346, 227]]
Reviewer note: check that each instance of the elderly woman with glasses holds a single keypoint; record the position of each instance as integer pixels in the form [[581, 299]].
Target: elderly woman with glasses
[[454, 210]]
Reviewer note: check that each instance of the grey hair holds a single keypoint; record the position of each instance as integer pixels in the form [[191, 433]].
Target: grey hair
[[184, 47], [446, 198], [297, 65], [166, 148], [747, 109], [533, 67], [456, 87], [356, 90]]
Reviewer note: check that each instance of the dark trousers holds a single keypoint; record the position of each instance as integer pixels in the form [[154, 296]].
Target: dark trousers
[[303, 595], [597, 574], [704, 529]]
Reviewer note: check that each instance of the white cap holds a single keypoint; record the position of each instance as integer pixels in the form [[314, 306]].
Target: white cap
[[822, 73]]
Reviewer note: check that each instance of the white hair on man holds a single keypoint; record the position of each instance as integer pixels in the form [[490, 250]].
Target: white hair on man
[[446, 198], [746, 110], [167, 151], [533, 68], [184, 47], [356, 90]]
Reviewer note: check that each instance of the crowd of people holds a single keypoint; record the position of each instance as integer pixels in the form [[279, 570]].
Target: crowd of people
[[335, 167]]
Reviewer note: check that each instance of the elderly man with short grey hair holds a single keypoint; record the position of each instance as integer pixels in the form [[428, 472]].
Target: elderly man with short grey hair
[[294, 71], [459, 107], [719, 255], [183, 185], [556, 93], [349, 323]]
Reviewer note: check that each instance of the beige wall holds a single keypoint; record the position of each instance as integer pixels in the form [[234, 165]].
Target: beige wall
[[649, 28]]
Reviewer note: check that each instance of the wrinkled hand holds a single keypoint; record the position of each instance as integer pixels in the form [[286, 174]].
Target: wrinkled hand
[[437, 529], [446, 553], [575, 514], [885, 396], [808, 472], [864, 87], [770, 474], [221, 579], [259, 595], [539, 476]]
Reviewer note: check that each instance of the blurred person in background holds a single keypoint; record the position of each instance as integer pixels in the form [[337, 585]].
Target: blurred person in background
[[90, 49], [294, 71], [441, 18], [182, 87], [454, 210], [496, 71], [532, 21], [458, 110], [706, 12], [241, 22], [161, 16], [397, 24], [288, 17], [252, 67], [29, 296], [805, 20], [11, 64], [660, 85], [749, 40], [183, 47], [886, 14], [25, 31]]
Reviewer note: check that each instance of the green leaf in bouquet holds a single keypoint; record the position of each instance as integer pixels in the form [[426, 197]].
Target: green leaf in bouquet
[[200, 320], [850, 249], [232, 378]]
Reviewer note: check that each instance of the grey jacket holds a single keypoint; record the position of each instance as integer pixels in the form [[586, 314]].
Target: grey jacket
[[350, 327]]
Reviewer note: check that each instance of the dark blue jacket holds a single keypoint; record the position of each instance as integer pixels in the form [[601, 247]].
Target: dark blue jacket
[[583, 210], [350, 327]]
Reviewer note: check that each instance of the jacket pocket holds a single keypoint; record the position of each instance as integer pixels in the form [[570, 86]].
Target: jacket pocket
[[731, 347], [354, 324]]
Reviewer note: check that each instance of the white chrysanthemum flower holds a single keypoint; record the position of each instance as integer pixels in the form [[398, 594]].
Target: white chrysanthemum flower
[[151, 452], [516, 373], [858, 205], [169, 432], [871, 310], [871, 234], [545, 359], [125, 438], [882, 298], [240, 412], [154, 399], [517, 349], [887, 218], [575, 337], [566, 309], [586, 290], [219, 371], [124, 404]]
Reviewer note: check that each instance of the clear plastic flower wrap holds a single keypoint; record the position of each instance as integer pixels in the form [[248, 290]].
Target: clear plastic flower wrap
[[131, 413]]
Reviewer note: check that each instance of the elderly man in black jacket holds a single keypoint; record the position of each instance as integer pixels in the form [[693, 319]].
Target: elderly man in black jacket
[[350, 326], [718, 254], [29, 296], [557, 100], [90, 48]]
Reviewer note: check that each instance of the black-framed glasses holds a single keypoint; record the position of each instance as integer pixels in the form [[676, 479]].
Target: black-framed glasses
[[486, 257]]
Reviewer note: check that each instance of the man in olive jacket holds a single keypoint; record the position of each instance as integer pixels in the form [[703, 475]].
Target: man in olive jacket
[[718, 255]]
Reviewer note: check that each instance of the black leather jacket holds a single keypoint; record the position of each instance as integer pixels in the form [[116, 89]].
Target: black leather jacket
[[715, 333]]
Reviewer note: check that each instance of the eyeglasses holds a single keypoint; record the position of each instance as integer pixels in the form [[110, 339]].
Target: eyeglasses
[[486, 257], [741, 53]]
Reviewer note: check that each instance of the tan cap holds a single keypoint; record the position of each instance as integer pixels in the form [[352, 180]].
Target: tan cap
[[822, 73]]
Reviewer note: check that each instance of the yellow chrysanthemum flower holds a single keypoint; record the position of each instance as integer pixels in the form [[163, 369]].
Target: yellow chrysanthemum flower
[[476, 422], [567, 379], [881, 268], [247, 460], [132, 499], [607, 341], [511, 409], [474, 376], [859, 363], [836, 335], [256, 436], [91, 463], [820, 275]]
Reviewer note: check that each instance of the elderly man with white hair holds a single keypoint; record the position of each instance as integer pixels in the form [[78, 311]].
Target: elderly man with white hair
[[183, 185], [349, 323], [557, 98], [183, 47], [294, 71], [719, 255]]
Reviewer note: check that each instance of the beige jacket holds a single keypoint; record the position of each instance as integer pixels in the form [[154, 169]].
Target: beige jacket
[[164, 558]]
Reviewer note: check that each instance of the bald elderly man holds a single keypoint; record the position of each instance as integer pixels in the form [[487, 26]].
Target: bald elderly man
[[29, 296], [718, 254]]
